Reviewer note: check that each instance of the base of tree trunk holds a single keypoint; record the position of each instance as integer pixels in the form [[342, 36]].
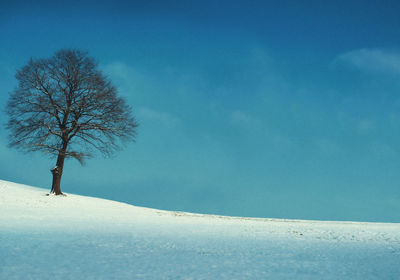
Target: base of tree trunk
[[51, 194]]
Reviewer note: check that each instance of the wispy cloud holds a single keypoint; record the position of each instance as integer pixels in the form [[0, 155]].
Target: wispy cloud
[[382, 150], [372, 60], [134, 84], [328, 147], [366, 126], [124, 73], [242, 118], [163, 118]]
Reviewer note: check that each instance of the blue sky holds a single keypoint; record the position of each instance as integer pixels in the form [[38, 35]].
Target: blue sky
[[287, 109]]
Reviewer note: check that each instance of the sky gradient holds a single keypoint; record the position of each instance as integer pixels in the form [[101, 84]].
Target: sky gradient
[[281, 109]]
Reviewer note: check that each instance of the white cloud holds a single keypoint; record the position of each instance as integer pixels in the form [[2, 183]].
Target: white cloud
[[279, 140], [328, 147], [164, 118], [129, 80], [242, 118], [366, 126], [248, 122], [118, 69], [382, 150], [372, 60]]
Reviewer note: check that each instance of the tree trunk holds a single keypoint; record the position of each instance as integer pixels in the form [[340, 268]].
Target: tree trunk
[[57, 173]]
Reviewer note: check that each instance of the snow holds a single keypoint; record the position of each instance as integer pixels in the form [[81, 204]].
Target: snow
[[78, 237]]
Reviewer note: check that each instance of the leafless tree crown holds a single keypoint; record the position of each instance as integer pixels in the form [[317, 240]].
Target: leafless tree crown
[[64, 105]]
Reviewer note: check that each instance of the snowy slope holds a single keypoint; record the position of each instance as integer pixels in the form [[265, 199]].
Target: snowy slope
[[77, 237]]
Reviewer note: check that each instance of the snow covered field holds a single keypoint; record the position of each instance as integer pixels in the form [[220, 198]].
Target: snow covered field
[[77, 237]]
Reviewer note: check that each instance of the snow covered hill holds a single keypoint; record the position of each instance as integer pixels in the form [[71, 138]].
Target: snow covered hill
[[77, 237]]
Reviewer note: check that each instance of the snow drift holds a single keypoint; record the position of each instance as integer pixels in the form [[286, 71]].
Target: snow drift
[[77, 237]]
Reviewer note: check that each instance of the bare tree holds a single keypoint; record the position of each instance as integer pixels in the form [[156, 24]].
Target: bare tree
[[65, 107]]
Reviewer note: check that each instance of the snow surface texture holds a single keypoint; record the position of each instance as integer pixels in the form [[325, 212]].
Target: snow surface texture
[[77, 237]]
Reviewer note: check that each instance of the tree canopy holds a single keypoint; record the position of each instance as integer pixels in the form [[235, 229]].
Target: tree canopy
[[66, 107]]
